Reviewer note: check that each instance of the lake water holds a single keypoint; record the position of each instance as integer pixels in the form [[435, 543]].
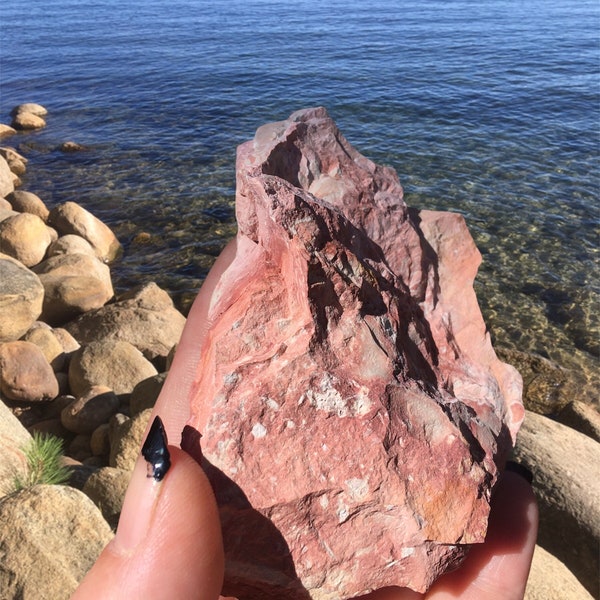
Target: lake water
[[490, 109]]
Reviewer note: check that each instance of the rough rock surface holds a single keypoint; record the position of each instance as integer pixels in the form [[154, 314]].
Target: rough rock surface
[[114, 364], [21, 298], [91, 410], [25, 374], [50, 536], [353, 412], [126, 437], [106, 488], [13, 439], [28, 202], [566, 468], [71, 218], [6, 178], [549, 579], [144, 317]]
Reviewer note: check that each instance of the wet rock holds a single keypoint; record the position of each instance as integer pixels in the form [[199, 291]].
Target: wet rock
[[27, 121], [353, 412], [31, 108], [126, 438], [144, 317], [71, 218], [50, 536], [71, 147], [6, 130], [25, 374], [25, 237], [21, 297], [28, 202], [13, 439], [549, 579], [106, 488], [565, 465], [89, 411], [6, 178], [115, 364]]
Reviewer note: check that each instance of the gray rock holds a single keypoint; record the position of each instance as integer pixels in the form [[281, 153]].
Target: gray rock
[[21, 297], [566, 468], [50, 536], [89, 411], [115, 364]]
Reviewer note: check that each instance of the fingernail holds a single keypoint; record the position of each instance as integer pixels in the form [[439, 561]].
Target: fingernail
[[520, 469], [144, 490]]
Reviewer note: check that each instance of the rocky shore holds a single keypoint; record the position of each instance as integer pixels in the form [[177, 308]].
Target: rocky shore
[[86, 366]]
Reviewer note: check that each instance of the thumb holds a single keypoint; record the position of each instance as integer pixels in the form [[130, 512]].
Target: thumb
[[168, 543]]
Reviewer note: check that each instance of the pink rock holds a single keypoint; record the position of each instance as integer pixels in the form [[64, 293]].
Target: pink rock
[[352, 410]]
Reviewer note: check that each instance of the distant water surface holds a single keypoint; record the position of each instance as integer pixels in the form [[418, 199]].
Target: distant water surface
[[489, 109]]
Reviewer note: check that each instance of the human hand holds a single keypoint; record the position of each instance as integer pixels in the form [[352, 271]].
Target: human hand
[[168, 544]]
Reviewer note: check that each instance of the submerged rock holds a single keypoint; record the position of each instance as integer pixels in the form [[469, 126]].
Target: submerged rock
[[353, 413]]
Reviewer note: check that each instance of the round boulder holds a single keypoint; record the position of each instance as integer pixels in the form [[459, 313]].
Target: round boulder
[[6, 130], [28, 202], [44, 338], [115, 364], [16, 162], [29, 107], [25, 237], [28, 121], [50, 536], [25, 374], [70, 244], [106, 488], [126, 438], [90, 410], [21, 298], [72, 218]]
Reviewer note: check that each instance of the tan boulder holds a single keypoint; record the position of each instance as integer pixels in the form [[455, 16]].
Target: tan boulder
[[13, 439], [21, 297], [45, 339], [73, 283], [28, 202], [6, 130], [27, 121], [144, 317], [582, 417], [566, 469], [70, 217], [50, 536], [68, 342], [106, 488], [25, 237], [549, 579], [126, 438], [70, 244], [29, 107], [16, 162], [93, 408], [5, 206], [25, 374], [7, 181], [115, 364], [99, 441], [145, 393]]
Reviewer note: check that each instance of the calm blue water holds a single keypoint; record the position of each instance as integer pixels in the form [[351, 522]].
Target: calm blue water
[[489, 108]]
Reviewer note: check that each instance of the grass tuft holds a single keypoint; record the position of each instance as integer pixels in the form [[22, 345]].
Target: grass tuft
[[43, 454]]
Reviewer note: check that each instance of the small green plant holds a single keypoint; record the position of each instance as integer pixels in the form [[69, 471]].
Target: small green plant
[[43, 454]]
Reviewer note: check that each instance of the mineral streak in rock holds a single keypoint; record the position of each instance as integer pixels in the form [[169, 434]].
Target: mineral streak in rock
[[352, 411]]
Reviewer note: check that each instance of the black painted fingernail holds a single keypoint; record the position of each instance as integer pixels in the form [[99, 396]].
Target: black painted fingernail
[[519, 469], [155, 451]]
